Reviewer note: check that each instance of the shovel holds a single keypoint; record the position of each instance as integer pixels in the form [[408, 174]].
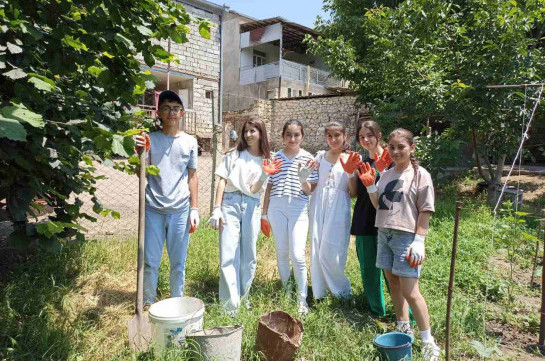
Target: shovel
[[139, 327]]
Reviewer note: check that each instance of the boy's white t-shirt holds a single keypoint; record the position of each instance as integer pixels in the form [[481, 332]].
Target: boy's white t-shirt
[[401, 197], [241, 170]]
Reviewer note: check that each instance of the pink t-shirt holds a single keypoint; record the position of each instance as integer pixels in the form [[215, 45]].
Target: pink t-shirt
[[401, 197]]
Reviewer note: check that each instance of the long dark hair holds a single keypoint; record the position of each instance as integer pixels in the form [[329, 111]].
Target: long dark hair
[[336, 124], [409, 137], [373, 127], [263, 139], [292, 122]]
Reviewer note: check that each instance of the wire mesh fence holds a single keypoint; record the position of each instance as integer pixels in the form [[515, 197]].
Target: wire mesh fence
[[119, 191]]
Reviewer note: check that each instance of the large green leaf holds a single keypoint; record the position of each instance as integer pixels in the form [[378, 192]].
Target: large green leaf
[[14, 49], [204, 29], [22, 114], [41, 85], [118, 146], [11, 129], [15, 74], [74, 43]]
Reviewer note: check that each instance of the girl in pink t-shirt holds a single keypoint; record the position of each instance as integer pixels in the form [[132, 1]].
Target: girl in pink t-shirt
[[404, 201]]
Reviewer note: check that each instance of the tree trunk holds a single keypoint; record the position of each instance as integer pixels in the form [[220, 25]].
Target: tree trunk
[[496, 184]]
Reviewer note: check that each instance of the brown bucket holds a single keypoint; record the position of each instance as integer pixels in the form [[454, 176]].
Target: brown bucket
[[278, 336]]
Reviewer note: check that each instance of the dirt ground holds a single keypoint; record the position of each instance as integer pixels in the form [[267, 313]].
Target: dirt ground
[[517, 342]]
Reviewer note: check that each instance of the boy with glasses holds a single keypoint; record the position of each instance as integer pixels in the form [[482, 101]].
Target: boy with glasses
[[171, 196]]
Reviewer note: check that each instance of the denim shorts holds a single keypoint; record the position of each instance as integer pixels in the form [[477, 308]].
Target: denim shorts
[[392, 248]]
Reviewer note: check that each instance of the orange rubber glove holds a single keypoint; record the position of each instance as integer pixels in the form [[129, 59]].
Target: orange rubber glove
[[367, 176], [384, 161], [265, 226], [351, 164]]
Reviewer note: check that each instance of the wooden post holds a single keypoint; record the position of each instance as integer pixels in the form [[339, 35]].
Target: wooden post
[[214, 155], [542, 320], [451, 280], [535, 256]]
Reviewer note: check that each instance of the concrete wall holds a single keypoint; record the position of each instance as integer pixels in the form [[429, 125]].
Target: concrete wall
[[313, 112]]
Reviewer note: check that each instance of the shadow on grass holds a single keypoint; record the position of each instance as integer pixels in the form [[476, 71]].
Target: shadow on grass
[[34, 320]]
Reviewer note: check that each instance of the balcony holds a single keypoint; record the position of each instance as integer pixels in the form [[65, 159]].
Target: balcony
[[289, 70]]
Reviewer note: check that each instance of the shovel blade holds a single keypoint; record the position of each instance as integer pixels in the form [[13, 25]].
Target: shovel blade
[[139, 333]]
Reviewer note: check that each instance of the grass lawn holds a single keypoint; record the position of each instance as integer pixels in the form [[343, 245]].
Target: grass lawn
[[75, 305]]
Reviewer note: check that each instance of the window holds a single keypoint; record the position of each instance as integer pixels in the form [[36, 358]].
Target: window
[[208, 94], [271, 93], [300, 93], [289, 92], [259, 58]]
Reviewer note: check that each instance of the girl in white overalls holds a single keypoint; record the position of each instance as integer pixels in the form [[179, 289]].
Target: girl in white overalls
[[330, 215]]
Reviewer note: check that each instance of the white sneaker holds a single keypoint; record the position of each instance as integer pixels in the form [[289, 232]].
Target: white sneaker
[[303, 309], [430, 351]]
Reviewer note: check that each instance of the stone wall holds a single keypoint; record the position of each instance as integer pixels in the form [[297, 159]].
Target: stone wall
[[314, 112]]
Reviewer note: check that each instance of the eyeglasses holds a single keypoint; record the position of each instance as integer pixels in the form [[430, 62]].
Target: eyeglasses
[[167, 109]]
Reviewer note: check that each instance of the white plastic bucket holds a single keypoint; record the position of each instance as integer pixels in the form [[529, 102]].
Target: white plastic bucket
[[171, 319]]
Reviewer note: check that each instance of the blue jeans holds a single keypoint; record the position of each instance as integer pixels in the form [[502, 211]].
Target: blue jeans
[[175, 229], [392, 247], [238, 253]]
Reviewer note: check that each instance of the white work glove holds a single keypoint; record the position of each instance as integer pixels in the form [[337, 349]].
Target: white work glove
[[417, 251], [194, 219], [305, 170], [216, 219]]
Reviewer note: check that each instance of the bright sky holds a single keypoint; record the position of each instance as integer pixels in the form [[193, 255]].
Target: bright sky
[[303, 12]]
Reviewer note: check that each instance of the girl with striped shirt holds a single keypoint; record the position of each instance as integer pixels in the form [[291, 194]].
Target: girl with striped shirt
[[285, 207]]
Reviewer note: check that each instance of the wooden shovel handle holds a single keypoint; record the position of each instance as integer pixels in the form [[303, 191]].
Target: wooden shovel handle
[[141, 232]]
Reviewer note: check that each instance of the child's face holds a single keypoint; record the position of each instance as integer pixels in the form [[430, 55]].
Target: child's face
[[251, 135], [400, 150], [170, 113], [367, 139], [293, 136], [335, 138]]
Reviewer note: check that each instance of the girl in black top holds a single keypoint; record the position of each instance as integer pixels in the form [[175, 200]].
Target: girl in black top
[[369, 136]]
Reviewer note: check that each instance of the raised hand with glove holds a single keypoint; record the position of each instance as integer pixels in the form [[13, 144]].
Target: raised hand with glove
[[417, 251], [367, 176], [351, 164], [265, 226], [142, 141], [305, 170], [270, 168], [382, 162], [216, 220]]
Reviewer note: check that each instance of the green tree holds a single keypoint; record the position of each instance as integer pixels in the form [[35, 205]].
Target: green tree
[[417, 63], [71, 76]]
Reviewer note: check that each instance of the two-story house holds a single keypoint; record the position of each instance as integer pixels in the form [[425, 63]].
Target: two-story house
[[267, 59]]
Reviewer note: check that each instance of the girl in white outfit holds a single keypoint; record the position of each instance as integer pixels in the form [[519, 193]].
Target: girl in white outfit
[[286, 208], [330, 215], [242, 172]]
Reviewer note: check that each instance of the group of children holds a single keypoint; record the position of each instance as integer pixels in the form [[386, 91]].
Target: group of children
[[394, 201]]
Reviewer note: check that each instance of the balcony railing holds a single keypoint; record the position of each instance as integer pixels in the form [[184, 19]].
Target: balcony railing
[[251, 74], [290, 70]]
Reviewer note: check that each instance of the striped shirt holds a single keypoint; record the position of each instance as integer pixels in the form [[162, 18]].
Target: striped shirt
[[286, 182]]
